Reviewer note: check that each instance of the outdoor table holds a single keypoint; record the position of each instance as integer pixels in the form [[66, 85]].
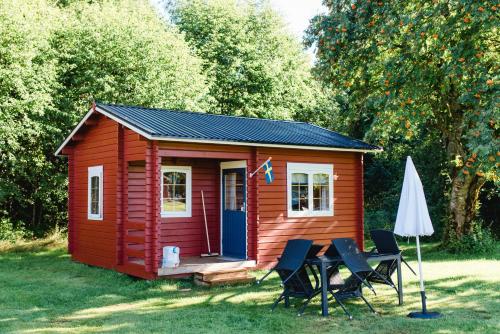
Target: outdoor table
[[323, 261]]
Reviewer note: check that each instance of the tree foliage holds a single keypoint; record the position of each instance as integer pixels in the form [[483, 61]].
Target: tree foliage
[[58, 56], [254, 66], [413, 67], [53, 61]]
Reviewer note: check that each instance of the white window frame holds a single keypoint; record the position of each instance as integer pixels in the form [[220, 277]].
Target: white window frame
[[310, 170], [95, 171], [180, 169]]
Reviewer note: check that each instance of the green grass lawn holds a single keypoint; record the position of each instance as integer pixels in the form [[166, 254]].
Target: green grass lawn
[[42, 291]]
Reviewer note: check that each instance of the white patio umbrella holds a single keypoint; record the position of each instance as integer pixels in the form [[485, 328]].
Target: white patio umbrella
[[413, 221]]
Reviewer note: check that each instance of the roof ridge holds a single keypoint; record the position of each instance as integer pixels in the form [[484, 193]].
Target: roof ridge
[[202, 113], [345, 136]]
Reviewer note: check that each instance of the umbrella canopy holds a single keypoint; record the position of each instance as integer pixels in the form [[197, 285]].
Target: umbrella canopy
[[413, 217], [413, 221]]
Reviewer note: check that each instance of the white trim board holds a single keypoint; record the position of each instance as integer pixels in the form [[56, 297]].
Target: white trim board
[[203, 141]]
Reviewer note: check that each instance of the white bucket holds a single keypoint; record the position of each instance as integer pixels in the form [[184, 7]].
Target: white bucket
[[170, 257]]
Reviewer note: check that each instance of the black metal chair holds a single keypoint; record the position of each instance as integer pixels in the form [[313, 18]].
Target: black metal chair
[[294, 275], [385, 243], [360, 270], [334, 278]]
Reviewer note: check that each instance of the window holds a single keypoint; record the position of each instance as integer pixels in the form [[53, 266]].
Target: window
[[95, 193], [176, 191], [234, 192], [310, 189]]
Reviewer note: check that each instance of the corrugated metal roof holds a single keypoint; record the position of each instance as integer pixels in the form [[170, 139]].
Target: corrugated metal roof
[[200, 126]]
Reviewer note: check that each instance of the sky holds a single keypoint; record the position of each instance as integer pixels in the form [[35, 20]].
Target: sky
[[297, 13]]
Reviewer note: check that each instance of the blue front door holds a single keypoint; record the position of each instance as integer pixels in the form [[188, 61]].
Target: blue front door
[[234, 226]]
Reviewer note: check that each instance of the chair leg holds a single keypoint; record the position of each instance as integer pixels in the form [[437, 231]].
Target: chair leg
[[303, 307], [287, 301], [277, 301], [367, 303], [343, 307]]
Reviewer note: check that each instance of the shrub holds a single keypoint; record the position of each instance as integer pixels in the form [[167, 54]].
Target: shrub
[[12, 232], [480, 241]]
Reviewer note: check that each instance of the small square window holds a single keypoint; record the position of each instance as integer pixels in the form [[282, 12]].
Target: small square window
[[310, 190], [176, 191]]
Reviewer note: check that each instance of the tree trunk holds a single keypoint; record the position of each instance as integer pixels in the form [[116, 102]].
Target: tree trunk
[[464, 200], [464, 192]]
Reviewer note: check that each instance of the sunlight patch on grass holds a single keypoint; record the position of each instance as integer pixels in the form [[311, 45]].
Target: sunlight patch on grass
[[71, 329], [43, 291], [110, 309]]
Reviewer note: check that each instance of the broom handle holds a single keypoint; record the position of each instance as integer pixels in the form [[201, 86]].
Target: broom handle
[[206, 226]]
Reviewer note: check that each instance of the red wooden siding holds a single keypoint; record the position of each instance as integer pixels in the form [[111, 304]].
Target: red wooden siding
[[189, 233], [94, 241], [274, 225], [131, 235]]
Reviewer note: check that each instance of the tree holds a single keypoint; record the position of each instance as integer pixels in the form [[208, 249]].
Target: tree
[[412, 67], [28, 180], [55, 58], [255, 67]]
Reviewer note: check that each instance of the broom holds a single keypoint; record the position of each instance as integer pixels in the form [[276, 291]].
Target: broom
[[206, 229]]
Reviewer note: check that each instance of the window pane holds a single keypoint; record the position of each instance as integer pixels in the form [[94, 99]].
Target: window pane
[[234, 192], [174, 192], [300, 192], [94, 195], [321, 193]]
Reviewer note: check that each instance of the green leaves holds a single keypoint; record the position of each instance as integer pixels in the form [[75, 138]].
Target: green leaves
[[439, 54], [254, 67], [53, 62], [417, 69]]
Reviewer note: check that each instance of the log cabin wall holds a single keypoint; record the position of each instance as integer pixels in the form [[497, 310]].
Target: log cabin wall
[[268, 225], [274, 225], [188, 233], [94, 241]]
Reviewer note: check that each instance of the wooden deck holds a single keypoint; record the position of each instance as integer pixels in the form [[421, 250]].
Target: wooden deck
[[191, 265]]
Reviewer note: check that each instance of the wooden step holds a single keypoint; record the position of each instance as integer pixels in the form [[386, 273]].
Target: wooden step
[[209, 276], [215, 282]]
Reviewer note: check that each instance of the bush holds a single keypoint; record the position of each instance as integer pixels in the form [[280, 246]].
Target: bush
[[378, 220], [12, 232], [480, 241]]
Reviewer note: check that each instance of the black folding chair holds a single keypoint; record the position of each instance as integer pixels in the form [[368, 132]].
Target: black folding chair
[[313, 251], [294, 275], [360, 270], [334, 278], [385, 243]]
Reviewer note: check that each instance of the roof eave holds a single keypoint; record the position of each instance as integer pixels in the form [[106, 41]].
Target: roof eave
[[238, 143]]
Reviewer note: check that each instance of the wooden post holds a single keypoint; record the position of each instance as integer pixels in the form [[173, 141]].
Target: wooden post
[[156, 211], [120, 198], [149, 209]]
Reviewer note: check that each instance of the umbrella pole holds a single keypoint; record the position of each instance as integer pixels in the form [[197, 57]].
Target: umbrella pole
[[424, 314], [421, 274]]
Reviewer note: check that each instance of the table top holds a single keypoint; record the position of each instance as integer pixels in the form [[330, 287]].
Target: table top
[[370, 256]]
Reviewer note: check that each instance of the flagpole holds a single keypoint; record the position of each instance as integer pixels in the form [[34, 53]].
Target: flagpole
[[255, 172]]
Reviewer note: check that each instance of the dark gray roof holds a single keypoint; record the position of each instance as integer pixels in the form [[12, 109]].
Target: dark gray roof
[[200, 126]]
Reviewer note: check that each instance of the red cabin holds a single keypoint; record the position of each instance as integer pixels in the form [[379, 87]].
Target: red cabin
[[136, 177]]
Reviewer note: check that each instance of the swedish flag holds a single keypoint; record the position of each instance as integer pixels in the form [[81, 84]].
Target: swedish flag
[[268, 171]]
